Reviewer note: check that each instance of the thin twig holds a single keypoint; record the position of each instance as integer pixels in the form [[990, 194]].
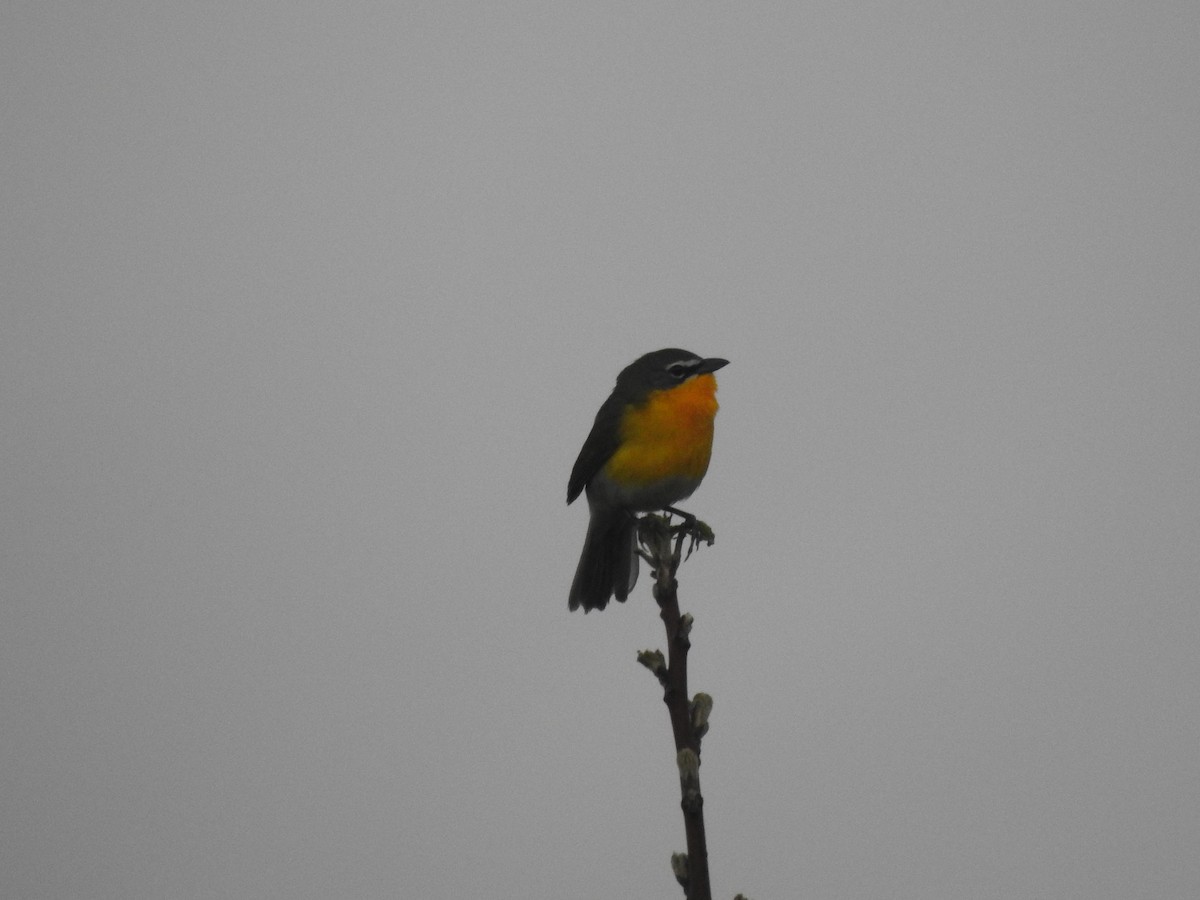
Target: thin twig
[[663, 545]]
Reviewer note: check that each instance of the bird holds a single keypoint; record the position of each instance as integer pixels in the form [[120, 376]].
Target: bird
[[648, 449]]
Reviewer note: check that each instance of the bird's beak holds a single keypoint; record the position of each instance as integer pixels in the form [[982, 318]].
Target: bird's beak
[[710, 365]]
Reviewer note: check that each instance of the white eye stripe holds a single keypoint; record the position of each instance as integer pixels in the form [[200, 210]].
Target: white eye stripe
[[683, 367]]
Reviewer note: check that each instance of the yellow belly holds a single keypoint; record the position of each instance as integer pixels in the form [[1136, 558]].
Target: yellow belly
[[667, 437]]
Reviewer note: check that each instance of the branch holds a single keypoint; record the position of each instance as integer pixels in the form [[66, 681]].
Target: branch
[[663, 550]]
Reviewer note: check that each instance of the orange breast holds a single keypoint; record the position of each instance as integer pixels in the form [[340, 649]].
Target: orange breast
[[669, 436]]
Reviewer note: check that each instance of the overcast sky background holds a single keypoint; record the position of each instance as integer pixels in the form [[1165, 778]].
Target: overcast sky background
[[307, 309]]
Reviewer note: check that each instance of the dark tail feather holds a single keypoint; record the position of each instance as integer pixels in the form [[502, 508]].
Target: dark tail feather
[[608, 564]]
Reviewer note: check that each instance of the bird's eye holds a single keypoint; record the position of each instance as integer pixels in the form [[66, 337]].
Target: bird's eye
[[678, 370]]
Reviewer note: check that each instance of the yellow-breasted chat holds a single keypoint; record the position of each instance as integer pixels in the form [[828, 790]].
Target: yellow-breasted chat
[[648, 449]]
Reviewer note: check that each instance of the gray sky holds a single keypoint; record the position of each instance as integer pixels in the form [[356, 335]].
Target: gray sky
[[308, 308]]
